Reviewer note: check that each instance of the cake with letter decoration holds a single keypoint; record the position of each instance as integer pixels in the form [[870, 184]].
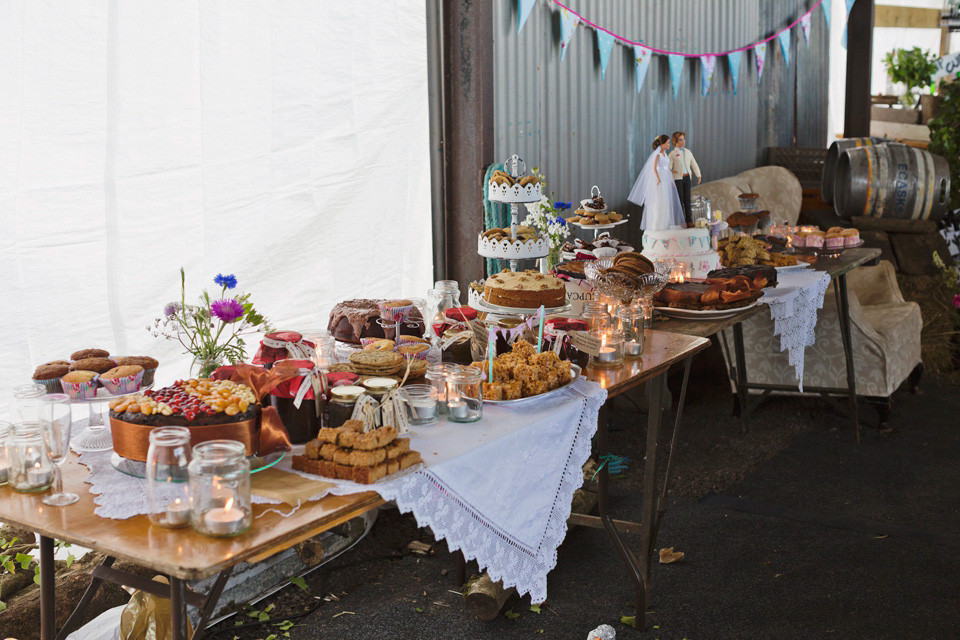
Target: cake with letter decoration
[[689, 246]]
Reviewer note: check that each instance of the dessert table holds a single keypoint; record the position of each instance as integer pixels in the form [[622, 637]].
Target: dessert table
[[180, 554], [837, 269], [661, 350]]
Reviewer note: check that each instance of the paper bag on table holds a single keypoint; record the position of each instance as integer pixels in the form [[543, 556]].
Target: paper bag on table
[[147, 617]]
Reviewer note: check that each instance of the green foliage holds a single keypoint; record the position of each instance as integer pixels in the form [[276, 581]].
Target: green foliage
[[510, 614], [913, 67], [945, 135], [13, 553], [299, 582]]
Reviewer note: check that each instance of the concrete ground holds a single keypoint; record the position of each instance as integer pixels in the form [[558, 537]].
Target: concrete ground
[[789, 530]]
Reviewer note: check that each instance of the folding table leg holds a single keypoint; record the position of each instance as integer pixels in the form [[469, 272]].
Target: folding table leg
[[741, 360], [48, 609], [843, 315], [649, 504], [88, 595], [178, 609], [211, 603]]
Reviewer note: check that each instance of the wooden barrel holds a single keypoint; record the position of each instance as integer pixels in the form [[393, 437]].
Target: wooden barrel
[[891, 181], [833, 158]]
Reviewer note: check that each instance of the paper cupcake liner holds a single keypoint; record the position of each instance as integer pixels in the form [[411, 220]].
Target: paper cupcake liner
[[52, 385], [395, 314], [405, 339], [419, 355], [849, 241], [80, 390], [126, 384]]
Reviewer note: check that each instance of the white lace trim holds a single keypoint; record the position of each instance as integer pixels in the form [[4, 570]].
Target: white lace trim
[[795, 315]]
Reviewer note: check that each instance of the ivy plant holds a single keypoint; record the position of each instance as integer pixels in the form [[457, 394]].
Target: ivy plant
[[15, 554], [945, 135], [913, 67]]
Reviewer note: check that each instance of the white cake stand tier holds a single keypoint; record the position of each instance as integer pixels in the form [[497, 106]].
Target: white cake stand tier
[[507, 250]]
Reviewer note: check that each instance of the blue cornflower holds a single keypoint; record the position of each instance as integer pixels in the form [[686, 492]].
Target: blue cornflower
[[561, 205], [562, 221], [229, 281]]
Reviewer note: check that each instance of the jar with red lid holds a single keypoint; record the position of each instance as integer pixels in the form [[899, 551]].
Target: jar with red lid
[[280, 345], [300, 400]]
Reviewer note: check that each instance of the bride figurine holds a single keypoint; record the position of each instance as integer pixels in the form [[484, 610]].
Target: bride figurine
[[654, 189]]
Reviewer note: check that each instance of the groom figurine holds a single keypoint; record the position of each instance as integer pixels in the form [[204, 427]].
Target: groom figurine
[[682, 163]]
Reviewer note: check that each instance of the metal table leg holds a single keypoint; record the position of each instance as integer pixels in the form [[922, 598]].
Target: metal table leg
[[178, 609], [48, 610], [741, 361], [648, 514], [843, 314]]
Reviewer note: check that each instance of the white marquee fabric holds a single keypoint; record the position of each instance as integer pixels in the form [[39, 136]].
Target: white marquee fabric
[[282, 141]]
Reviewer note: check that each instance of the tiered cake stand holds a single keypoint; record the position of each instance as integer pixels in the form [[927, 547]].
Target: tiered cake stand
[[514, 195]]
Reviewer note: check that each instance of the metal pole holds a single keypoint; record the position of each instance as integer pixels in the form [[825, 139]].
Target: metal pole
[[856, 115], [48, 609]]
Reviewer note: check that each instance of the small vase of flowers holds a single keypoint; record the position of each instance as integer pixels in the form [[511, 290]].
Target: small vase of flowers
[[212, 330], [544, 216]]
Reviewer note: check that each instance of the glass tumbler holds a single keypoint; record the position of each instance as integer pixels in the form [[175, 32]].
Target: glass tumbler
[[423, 407], [55, 423], [30, 469], [168, 476], [464, 395], [220, 488]]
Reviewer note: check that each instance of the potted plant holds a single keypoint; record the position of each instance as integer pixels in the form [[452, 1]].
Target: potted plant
[[914, 68]]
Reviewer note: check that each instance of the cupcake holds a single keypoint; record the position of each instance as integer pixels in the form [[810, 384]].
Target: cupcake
[[815, 239], [395, 310], [412, 340], [97, 364], [851, 237], [800, 238], [149, 366], [836, 230], [833, 241], [89, 353], [48, 375], [123, 379], [417, 351], [80, 385]]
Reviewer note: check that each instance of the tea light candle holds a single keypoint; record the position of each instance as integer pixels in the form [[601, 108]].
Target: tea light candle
[[457, 409], [633, 347], [607, 354], [37, 477], [4, 473], [223, 521], [178, 513], [424, 408]]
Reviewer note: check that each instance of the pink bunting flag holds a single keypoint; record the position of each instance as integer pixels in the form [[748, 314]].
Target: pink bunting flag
[[805, 25], [761, 52]]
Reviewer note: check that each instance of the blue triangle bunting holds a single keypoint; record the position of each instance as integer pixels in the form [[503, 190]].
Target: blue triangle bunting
[[825, 5], [733, 59], [523, 12], [568, 25], [641, 59], [604, 47], [784, 38], [676, 71]]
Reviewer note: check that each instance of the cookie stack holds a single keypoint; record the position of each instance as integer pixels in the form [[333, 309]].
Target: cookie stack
[[376, 363], [628, 268], [347, 453]]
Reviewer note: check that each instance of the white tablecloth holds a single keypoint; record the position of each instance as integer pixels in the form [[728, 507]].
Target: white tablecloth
[[499, 490], [793, 306]]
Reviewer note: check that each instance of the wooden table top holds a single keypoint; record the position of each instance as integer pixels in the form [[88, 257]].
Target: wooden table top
[[182, 553], [846, 262], [660, 350]]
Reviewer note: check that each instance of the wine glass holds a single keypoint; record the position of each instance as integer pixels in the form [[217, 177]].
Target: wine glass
[[55, 425]]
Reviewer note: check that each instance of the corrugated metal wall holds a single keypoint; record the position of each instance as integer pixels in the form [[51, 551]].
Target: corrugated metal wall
[[582, 130]]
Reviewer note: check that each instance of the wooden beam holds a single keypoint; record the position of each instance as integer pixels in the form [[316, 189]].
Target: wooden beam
[[911, 17], [856, 117]]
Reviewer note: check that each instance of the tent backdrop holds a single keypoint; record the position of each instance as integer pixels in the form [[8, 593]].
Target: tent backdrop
[[281, 141]]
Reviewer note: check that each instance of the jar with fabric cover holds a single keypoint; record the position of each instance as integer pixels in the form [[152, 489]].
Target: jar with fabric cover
[[281, 345], [299, 400]]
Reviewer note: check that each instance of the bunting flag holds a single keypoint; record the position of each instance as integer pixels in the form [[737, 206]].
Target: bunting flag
[[825, 5], [523, 12], [676, 71], [733, 59], [805, 26], [604, 47], [568, 26], [761, 52], [641, 58], [784, 38], [706, 72], [843, 39]]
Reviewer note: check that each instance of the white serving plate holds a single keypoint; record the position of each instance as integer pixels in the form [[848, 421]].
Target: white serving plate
[[574, 374], [600, 227], [692, 314], [482, 305]]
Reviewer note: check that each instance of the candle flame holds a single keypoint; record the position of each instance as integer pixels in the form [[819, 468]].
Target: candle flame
[[228, 504]]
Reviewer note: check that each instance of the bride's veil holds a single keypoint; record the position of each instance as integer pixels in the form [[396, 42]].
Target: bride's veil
[[646, 182]]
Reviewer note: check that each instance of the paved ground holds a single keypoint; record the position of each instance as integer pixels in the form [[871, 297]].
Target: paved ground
[[868, 547]]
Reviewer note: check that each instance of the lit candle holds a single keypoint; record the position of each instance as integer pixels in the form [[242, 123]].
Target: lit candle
[[178, 513], [607, 354], [223, 521], [424, 408], [457, 409], [38, 477], [634, 347], [4, 472]]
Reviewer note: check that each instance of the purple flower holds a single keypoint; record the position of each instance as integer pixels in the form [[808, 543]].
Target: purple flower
[[229, 281], [171, 309], [229, 310], [956, 301]]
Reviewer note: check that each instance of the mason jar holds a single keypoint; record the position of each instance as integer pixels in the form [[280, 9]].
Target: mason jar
[[465, 395], [30, 468], [168, 477], [220, 488]]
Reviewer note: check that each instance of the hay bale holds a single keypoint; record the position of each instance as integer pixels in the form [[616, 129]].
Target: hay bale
[[939, 340]]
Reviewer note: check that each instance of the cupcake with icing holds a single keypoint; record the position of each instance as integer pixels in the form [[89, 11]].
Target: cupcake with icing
[[816, 239]]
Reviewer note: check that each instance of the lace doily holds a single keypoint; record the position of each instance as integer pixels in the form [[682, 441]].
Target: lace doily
[[793, 306]]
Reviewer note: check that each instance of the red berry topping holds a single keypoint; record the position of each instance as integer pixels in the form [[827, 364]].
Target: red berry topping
[[190, 414]]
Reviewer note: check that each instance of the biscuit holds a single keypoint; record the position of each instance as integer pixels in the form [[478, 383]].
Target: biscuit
[[409, 459], [328, 435], [342, 456], [528, 180], [312, 449], [376, 438], [367, 458], [327, 451], [368, 475]]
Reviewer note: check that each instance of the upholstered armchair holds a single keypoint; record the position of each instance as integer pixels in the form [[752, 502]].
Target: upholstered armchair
[[885, 331], [778, 188]]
